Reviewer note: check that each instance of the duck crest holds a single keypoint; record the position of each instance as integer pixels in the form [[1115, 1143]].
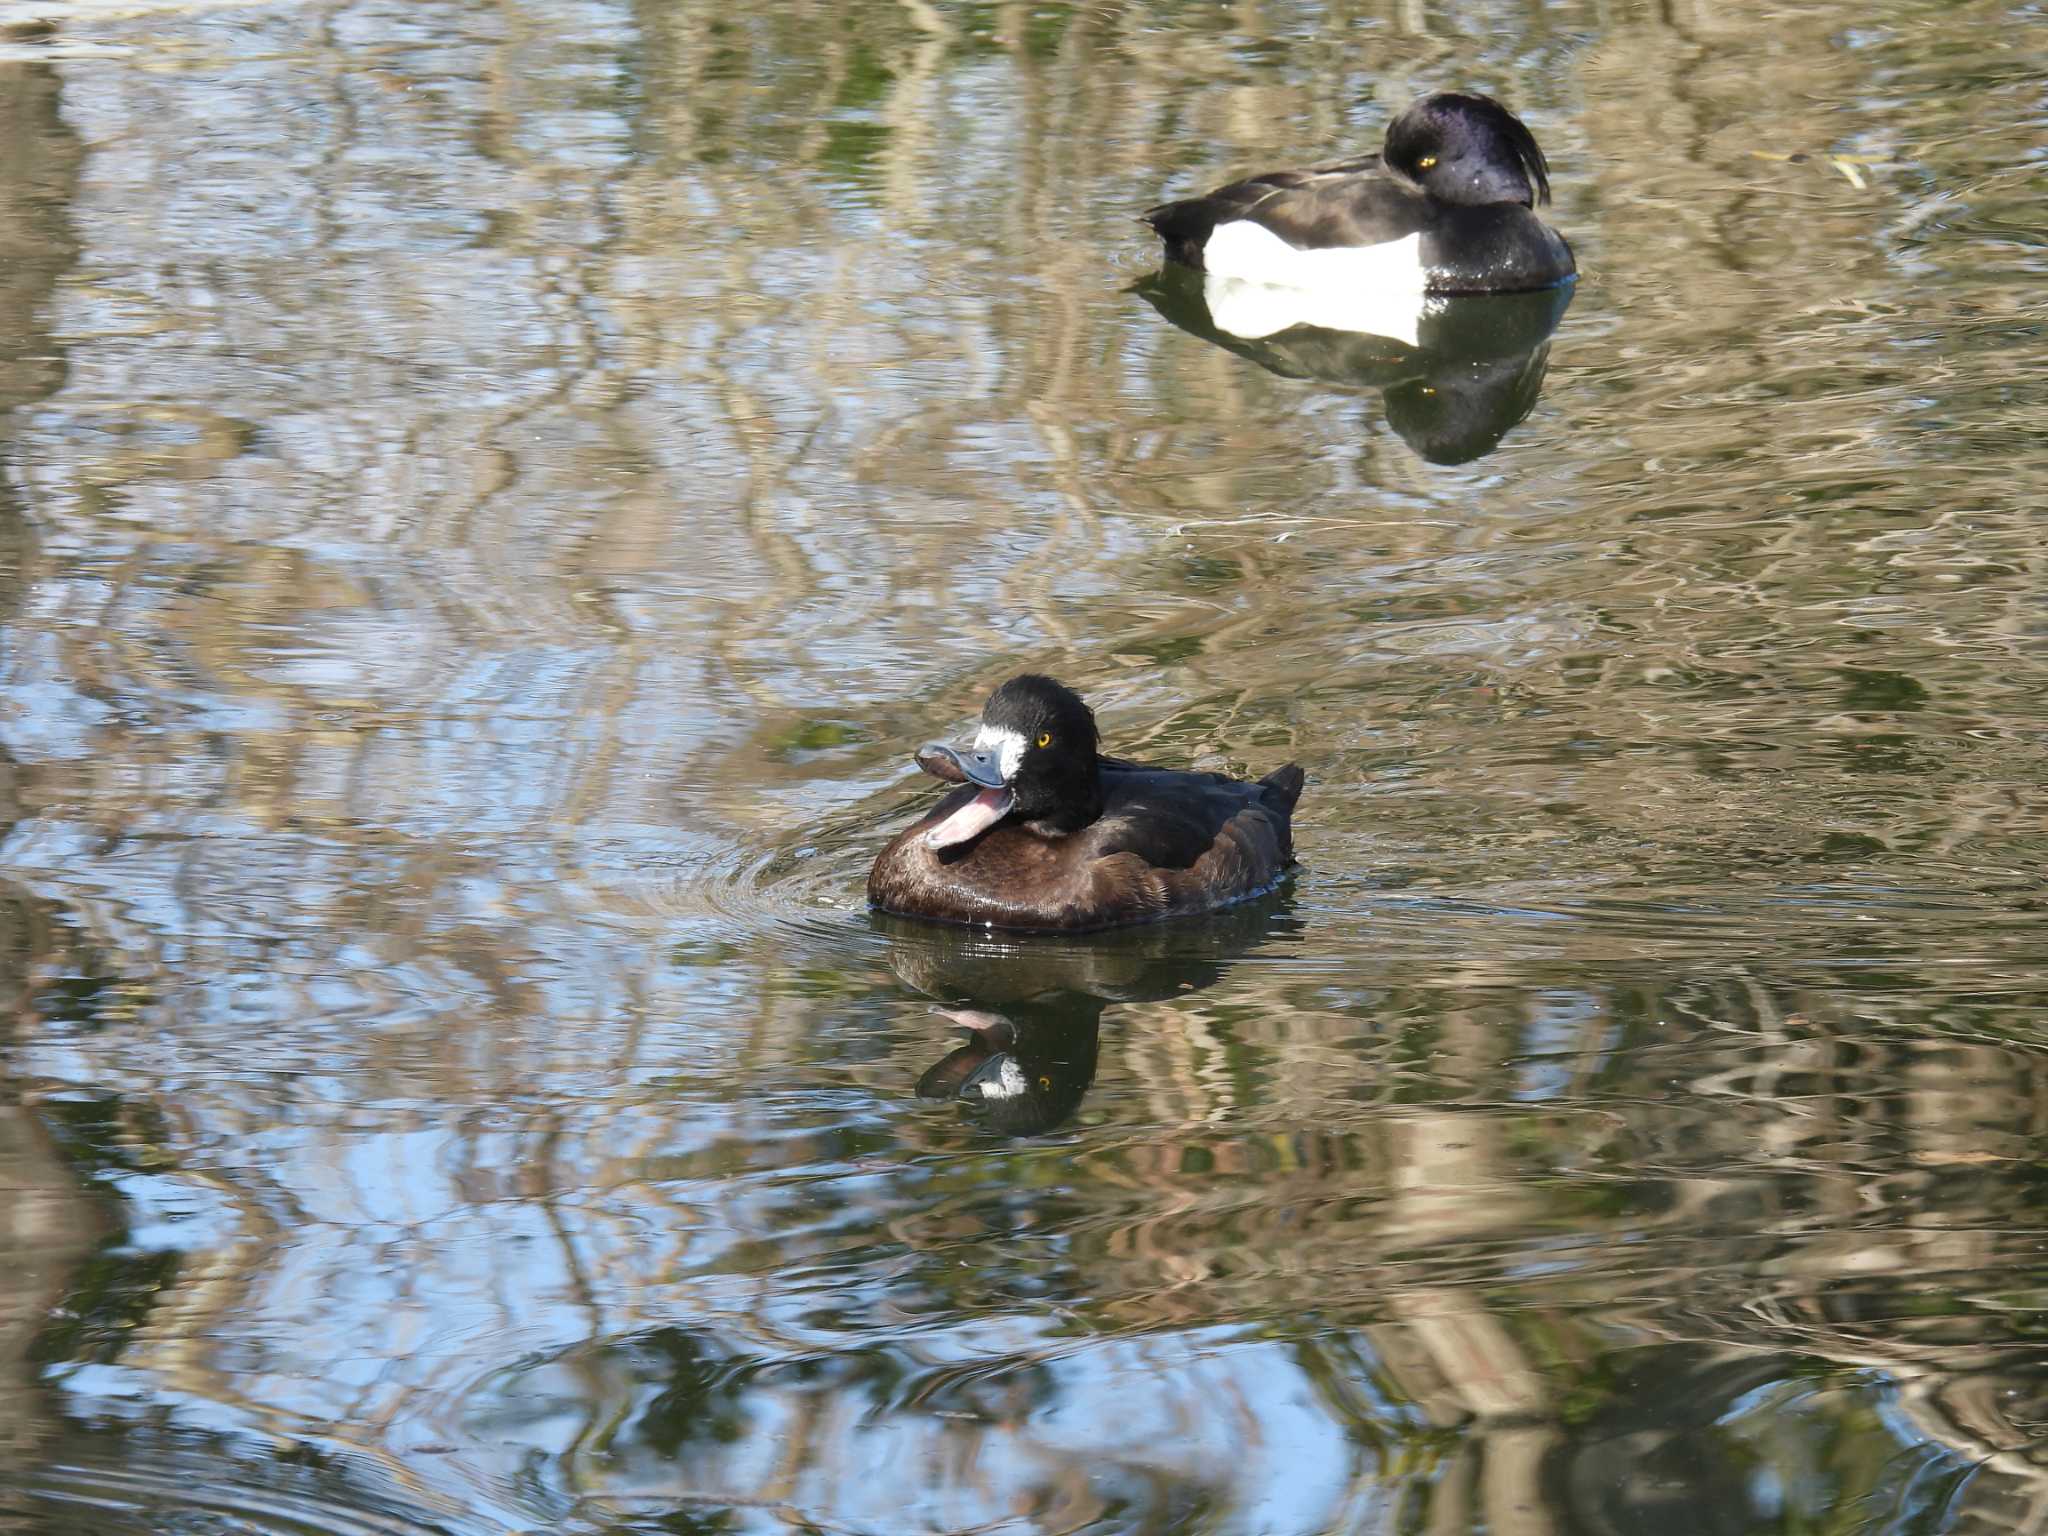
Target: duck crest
[[1480, 127]]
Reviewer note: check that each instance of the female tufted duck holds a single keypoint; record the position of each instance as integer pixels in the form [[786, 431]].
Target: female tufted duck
[[1046, 834], [1446, 207]]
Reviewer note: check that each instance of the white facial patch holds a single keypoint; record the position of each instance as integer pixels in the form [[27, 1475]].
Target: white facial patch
[[1258, 284], [1008, 746], [1008, 1082]]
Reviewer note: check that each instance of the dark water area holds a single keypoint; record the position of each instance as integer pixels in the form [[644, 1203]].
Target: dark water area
[[492, 496]]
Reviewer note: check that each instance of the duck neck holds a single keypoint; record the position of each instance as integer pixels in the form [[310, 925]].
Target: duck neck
[[1078, 804]]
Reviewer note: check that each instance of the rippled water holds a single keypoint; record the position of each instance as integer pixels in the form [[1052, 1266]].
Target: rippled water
[[490, 497]]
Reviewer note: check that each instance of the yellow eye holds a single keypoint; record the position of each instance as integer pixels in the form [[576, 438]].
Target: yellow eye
[[1045, 738], [1427, 162], [1044, 1083]]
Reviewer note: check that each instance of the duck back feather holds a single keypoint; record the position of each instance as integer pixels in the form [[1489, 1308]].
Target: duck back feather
[[1167, 844]]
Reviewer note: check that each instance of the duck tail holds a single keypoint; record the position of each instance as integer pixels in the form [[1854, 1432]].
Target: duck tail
[[1283, 787]]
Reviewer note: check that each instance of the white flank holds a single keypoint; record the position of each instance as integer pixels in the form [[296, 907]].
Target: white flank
[[1254, 253], [1258, 285], [1008, 746]]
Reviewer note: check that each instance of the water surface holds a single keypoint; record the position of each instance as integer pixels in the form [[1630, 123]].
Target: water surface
[[491, 495]]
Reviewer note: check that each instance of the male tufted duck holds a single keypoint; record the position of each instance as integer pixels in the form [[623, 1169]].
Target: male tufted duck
[[1046, 834], [1446, 207]]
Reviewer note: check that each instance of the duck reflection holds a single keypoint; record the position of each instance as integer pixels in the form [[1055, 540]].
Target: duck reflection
[[1030, 1006], [1024, 1076], [1456, 373]]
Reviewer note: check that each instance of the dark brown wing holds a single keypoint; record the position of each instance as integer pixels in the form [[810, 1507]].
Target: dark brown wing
[[1347, 203], [1187, 842], [1167, 844]]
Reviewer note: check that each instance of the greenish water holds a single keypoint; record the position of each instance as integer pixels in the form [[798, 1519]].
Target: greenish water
[[491, 496]]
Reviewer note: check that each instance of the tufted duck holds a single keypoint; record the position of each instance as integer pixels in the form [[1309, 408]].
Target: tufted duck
[[1446, 207], [1046, 834]]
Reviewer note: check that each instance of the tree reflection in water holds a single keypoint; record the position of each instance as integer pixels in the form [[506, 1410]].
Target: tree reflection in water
[[490, 496]]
